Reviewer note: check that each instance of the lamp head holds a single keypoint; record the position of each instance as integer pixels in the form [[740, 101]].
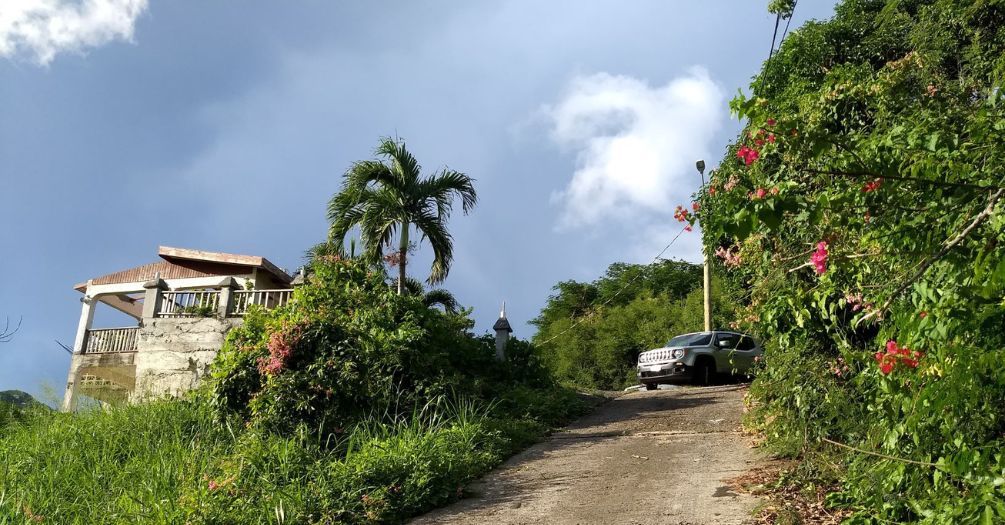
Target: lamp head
[[701, 166]]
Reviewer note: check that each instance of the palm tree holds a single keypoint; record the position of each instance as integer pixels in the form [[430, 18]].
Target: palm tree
[[388, 198]]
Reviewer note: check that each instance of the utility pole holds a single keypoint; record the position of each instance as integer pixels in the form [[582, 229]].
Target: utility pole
[[704, 256]]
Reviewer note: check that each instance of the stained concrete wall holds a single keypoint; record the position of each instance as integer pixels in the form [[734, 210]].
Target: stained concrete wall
[[174, 354]]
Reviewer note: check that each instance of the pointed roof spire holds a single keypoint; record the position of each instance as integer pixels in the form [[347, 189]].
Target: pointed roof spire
[[502, 324]]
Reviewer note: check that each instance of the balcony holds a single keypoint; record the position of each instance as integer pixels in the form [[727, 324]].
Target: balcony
[[108, 340], [226, 302]]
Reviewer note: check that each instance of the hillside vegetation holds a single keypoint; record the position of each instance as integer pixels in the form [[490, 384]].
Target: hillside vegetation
[[352, 404], [862, 209]]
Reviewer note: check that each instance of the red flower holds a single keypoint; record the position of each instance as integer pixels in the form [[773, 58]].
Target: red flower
[[687, 228], [771, 122], [872, 186], [747, 154], [771, 138], [681, 214], [759, 142], [897, 354], [923, 314], [695, 206], [712, 190]]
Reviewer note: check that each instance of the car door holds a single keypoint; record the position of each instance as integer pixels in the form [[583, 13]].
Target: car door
[[734, 352], [724, 348]]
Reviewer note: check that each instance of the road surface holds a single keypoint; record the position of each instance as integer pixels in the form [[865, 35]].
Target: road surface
[[658, 457]]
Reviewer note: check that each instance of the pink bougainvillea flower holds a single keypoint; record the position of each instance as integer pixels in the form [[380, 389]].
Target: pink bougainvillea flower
[[729, 257], [758, 194], [687, 228], [771, 122], [695, 206], [771, 138], [759, 142], [819, 258], [886, 367], [712, 190]]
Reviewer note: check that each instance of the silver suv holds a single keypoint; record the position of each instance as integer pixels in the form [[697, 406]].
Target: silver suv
[[697, 358]]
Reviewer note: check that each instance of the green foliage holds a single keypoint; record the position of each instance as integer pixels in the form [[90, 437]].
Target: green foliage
[[591, 333], [880, 134]]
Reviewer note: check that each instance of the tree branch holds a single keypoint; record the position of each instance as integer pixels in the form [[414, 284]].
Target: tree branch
[[7, 334], [867, 174], [941, 253]]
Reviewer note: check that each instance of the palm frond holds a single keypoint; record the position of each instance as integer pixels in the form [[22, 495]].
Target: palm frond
[[434, 229], [443, 186], [441, 297], [404, 163], [413, 286]]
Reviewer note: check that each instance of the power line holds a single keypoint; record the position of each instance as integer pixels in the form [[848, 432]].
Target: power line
[[625, 287], [787, 21]]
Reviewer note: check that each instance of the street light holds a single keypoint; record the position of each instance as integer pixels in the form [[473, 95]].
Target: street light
[[704, 256]]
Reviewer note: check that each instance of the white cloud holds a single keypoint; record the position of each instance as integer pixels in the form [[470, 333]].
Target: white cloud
[[40, 29], [635, 144]]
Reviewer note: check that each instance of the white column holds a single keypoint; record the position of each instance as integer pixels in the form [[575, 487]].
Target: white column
[[70, 396], [86, 318]]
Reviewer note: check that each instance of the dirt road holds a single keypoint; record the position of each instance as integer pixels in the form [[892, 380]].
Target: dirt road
[[646, 457]]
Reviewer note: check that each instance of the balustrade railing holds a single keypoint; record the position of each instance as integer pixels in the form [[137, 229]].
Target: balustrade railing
[[103, 340], [243, 300], [189, 303]]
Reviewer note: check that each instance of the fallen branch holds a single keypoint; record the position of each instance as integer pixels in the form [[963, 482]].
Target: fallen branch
[[884, 456]]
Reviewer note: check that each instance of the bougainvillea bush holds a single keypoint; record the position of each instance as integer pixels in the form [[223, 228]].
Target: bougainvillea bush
[[348, 347], [862, 208]]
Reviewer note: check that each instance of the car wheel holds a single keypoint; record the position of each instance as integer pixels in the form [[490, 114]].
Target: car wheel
[[651, 386], [703, 374]]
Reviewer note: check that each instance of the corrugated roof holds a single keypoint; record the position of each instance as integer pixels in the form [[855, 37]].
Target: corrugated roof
[[182, 263]]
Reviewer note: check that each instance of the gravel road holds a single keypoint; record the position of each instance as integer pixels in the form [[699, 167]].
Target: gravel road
[[658, 457]]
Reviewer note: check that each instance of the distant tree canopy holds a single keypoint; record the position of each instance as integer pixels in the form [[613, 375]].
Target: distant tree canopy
[[591, 333]]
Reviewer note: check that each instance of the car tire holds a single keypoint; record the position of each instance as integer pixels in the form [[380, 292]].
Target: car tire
[[704, 374], [651, 386]]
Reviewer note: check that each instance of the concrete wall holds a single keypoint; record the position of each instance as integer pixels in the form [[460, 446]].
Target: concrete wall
[[173, 355]]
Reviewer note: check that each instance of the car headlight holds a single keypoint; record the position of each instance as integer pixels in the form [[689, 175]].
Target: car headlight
[[678, 353]]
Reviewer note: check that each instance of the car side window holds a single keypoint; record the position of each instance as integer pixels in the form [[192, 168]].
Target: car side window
[[730, 341], [746, 343]]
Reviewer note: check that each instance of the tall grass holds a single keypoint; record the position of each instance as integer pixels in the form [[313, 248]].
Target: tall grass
[[105, 467], [171, 462]]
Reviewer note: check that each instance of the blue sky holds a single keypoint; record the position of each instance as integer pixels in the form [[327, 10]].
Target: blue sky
[[226, 126]]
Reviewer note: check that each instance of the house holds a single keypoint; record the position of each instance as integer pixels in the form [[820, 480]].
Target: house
[[183, 306]]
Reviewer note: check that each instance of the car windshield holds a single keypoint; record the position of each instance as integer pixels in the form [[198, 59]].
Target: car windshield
[[691, 340]]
